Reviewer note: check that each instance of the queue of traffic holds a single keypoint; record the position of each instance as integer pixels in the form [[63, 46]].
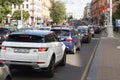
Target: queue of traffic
[[41, 49]]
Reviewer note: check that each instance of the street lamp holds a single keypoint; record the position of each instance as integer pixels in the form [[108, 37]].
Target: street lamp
[[110, 26]]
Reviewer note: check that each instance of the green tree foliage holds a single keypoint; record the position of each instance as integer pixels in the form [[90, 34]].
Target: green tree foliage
[[6, 7], [17, 15], [116, 15], [58, 12], [17, 2]]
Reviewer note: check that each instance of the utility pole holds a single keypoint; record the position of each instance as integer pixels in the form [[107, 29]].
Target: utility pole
[[110, 26], [21, 16]]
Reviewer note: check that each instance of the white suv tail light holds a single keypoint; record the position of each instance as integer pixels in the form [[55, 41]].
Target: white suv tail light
[[42, 49], [3, 47]]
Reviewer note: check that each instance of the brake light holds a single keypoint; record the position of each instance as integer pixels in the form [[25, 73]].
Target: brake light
[[6, 36], [41, 62], [3, 61], [69, 39], [3, 47], [42, 49], [86, 34]]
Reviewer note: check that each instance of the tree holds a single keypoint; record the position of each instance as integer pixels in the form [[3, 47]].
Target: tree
[[17, 15], [5, 7], [58, 12], [116, 15]]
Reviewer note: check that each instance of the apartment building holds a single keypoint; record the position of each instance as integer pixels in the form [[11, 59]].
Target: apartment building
[[46, 5], [34, 7], [115, 3], [87, 12], [39, 10], [96, 10]]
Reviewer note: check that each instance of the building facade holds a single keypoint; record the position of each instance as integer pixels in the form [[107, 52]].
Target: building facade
[[38, 10], [115, 3], [46, 5], [87, 12], [34, 9], [97, 8]]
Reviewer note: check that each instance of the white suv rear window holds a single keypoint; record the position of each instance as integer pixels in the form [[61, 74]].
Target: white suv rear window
[[25, 38]]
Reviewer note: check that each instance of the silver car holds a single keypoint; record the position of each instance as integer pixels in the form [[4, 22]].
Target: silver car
[[4, 72]]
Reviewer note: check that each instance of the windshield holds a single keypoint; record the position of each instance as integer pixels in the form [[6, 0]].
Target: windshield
[[83, 30], [61, 32]]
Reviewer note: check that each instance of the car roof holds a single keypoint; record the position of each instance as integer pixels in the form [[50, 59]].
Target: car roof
[[4, 28], [45, 27], [62, 28], [37, 33]]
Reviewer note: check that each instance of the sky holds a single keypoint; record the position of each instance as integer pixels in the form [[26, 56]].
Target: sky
[[76, 6]]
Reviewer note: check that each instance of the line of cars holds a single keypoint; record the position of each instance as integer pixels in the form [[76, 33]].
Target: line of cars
[[42, 49]]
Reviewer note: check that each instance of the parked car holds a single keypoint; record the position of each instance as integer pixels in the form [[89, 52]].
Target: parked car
[[85, 33], [69, 36], [41, 50], [4, 72], [4, 32]]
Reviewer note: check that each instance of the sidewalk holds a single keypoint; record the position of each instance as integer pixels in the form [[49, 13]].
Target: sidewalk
[[106, 63]]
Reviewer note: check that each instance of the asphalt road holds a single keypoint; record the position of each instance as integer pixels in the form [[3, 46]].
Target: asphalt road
[[72, 71]]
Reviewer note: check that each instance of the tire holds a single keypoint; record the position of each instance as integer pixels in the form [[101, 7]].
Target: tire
[[51, 68], [63, 61], [74, 50], [8, 78], [93, 36], [88, 40]]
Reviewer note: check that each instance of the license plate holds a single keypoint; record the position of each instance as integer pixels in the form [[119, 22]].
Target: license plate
[[21, 50]]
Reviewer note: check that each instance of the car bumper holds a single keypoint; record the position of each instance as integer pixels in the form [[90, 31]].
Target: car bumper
[[34, 65], [85, 39], [69, 47]]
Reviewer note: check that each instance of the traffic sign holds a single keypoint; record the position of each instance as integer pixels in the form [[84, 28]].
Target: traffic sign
[[117, 22]]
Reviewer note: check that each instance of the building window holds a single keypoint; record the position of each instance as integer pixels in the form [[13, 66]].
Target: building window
[[19, 7], [27, 6], [14, 6], [23, 6]]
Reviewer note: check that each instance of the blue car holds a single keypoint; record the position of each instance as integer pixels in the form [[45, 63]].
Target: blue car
[[70, 38]]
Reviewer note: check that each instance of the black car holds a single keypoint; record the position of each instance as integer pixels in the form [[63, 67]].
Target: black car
[[85, 33], [4, 32], [97, 30]]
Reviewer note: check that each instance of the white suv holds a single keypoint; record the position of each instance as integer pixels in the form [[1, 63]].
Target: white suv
[[40, 50]]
